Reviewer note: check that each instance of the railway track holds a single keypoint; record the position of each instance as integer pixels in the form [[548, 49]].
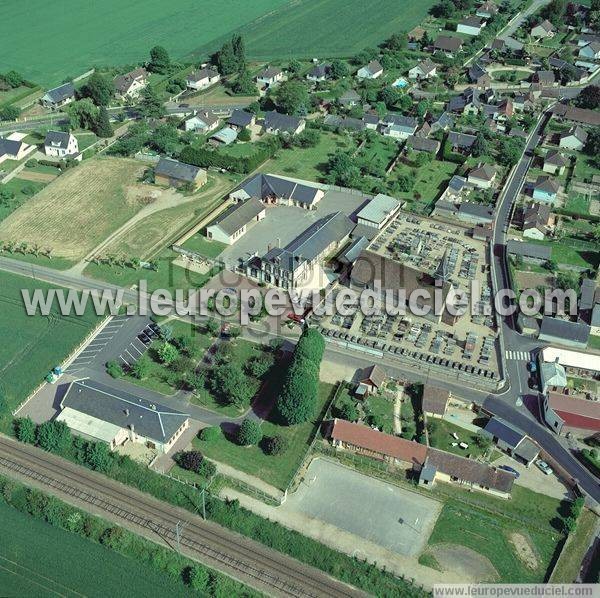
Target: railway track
[[235, 554]]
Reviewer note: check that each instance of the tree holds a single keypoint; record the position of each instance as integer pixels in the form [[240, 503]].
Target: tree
[[292, 97], [10, 112], [347, 410], [390, 96], [589, 97], [167, 353], [98, 456], [13, 79], [258, 366], [342, 170], [199, 578], [295, 66], [510, 150], [480, 145], [99, 89], [443, 9], [102, 126], [164, 139], [397, 42], [150, 105], [190, 460], [231, 385], [244, 83], [276, 445], [339, 69], [592, 145], [210, 434], [212, 327], [82, 114], [114, 369], [483, 442], [244, 135], [159, 60], [141, 368], [308, 138], [25, 429], [249, 433], [554, 12], [54, 436], [406, 182]]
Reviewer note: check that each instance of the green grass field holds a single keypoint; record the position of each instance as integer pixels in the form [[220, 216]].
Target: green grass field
[[112, 32], [39, 560], [31, 345]]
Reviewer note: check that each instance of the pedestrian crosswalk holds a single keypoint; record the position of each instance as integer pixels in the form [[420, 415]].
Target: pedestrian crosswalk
[[518, 355]]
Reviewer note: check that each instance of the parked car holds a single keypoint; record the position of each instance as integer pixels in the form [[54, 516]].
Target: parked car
[[543, 466], [510, 470], [532, 367]]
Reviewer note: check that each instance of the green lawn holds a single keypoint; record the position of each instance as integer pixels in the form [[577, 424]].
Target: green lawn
[[32, 345], [381, 148], [274, 469], [205, 247], [574, 252], [308, 163], [238, 150], [37, 559], [578, 203], [22, 191], [442, 438], [383, 409]]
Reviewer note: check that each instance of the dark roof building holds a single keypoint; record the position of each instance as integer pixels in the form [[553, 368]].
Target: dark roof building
[[241, 119], [271, 188], [435, 400], [564, 332], [174, 172], [284, 123], [529, 250]]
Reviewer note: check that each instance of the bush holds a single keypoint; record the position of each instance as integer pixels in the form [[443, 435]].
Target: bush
[[210, 434], [244, 135], [25, 430], [249, 433], [190, 460], [114, 369], [276, 445]]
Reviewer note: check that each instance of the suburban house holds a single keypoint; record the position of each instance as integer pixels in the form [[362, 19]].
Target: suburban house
[[173, 173], [348, 123], [225, 136], [536, 221], [564, 332], [203, 122], [273, 190], [370, 71], [379, 211], [319, 72], [130, 84], [466, 103], [371, 380], [59, 96], [529, 252], [563, 412], [398, 126], [269, 76], [487, 10], [435, 401], [470, 25], [523, 102], [590, 51], [483, 176], [14, 148], [422, 144], [349, 98], [574, 139], [543, 30], [298, 264], [275, 122], [240, 119], [442, 123], [97, 411], [579, 116], [234, 222], [545, 189], [478, 76], [202, 78], [426, 69], [554, 163], [450, 46], [60, 144], [544, 78], [457, 188], [461, 142], [512, 441]]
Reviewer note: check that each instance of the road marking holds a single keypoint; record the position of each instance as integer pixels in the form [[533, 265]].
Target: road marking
[[124, 360], [134, 347], [518, 355]]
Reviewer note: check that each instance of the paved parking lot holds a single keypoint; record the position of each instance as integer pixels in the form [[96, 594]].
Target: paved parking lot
[[396, 519]]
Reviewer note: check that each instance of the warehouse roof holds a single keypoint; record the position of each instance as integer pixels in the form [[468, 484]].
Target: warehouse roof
[[379, 208]]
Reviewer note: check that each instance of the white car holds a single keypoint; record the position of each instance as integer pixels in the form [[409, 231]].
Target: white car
[[543, 466]]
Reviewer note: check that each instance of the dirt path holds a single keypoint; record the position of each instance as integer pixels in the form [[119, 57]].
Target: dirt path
[[38, 177], [397, 407], [251, 480]]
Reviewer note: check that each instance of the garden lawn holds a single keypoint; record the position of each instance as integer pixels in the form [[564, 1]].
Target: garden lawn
[[198, 243], [37, 559], [308, 163], [383, 409], [277, 470], [32, 345], [442, 438], [22, 190], [579, 203]]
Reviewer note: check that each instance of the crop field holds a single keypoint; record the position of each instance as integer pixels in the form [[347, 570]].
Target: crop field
[[79, 210], [31, 345], [39, 560], [113, 32]]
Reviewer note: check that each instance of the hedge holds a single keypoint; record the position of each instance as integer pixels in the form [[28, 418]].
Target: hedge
[[244, 165]]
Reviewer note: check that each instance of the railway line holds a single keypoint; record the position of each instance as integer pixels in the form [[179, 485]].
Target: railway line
[[236, 555]]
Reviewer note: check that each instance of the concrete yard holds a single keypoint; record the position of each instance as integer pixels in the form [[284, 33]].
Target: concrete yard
[[387, 515]]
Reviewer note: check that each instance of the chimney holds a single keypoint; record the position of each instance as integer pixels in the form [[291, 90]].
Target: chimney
[[126, 412]]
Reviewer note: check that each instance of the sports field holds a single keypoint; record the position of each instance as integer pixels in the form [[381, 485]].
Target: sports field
[[39, 560], [113, 32], [31, 345]]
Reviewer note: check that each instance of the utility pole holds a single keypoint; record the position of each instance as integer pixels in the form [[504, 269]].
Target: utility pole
[[178, 529]]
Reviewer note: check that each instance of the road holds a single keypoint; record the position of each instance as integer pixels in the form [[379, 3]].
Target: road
[[240, 557]]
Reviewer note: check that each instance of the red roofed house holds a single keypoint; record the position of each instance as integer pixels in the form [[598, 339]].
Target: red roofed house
[[564, 411]]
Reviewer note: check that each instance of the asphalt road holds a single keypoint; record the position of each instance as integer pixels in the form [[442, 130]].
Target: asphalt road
[[236, 555]]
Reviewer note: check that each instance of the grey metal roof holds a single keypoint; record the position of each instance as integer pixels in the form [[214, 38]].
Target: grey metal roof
[[238, 215], [265, 185], [226, 135], [353, 251], [587, 297], [422, 144], [152, 420], [60, 93], [320, 70], [57, 139], [546, 184], [240, 118], [269, 73], [476, 71], [408, 123], [379, 208], [553, 328], [206, 73], [504, 431], [541, 252], [476, 210], [176, 170], [527, 450], [281, 122]]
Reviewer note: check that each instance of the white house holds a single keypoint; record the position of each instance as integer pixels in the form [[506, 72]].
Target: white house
[[203, 122], [130, 84], [471, 25], [591, 51], [59, 96], [543, 30], [269, 76], [426, 69], [573, 139], [483, 176], [234, 222], [202, 79], [370, 71], [13, 147], [59, 144]]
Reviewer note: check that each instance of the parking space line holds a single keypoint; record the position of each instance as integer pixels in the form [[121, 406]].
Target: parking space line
[[134, 347], [130, 355], [124, 360]]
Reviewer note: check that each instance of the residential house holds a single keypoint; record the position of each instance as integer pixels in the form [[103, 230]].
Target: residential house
[[225, 136], [450, 46], [461, 142], [398, 126], [96, 411], [552, 376], [298, 265], [479, 76], [319, 72], [442, 123], [543, 30], [457, 187], [434, 401], [129, 85], [379, 211], [346, 123], [590, 52], [173, 173], [536, 221], [475, 213], [529, 252], [554, 163], [580, 116], [587, 38], [60, 144], [509, 439], [573, 139], [14, 148], [203, 78], [202, 122], [240, 119], [483, 176], [371, 120], [545, 189], [349, 98], [544, 78], [371, 381], [275, 122], [523, 102], [269, 76], [59, 96], [563, 413], [470, 25], [422, 144], [466, 103], [487, 10], [426, 69], [564, 332], [373, 70], [424, 130], [234, 222]]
